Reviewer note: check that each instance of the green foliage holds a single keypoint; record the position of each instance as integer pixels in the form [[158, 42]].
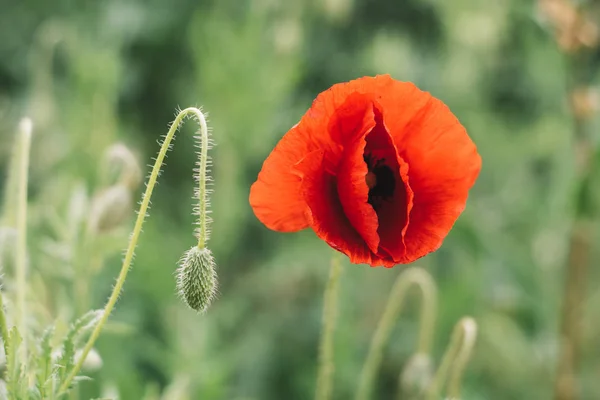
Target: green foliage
[[97, 74], [45, 367], [16, 383], [44, 372], [72, 340]]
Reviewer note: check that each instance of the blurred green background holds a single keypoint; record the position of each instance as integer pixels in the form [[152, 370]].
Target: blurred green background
[[93, 73]]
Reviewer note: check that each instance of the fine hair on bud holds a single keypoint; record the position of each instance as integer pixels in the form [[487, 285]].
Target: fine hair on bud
[[197, 278]]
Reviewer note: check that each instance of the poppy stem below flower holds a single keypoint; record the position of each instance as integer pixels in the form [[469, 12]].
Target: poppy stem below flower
[[457, 355], [326, 363], [413, 276], [144, 205]]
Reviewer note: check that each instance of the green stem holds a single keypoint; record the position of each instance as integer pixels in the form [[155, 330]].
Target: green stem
[[457, 353], [412, 276], [138, 229], [326, 364], [25, 128]]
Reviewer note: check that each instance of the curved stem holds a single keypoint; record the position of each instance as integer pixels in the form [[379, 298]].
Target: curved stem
[[411, 276], [457, 353], [138, 229], [25, 128], [326, 364]]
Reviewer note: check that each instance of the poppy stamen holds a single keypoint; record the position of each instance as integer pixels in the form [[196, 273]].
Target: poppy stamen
[[380, 180]]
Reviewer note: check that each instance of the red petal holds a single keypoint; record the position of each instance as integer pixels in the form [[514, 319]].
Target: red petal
[[441, 175], [394, 213], [276, 196], [443, 162], [327, 216], [351, 186]]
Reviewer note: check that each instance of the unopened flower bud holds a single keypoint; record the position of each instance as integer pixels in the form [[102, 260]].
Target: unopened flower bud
[[110, 208], [119, 159], [417, 375], [197, 278]]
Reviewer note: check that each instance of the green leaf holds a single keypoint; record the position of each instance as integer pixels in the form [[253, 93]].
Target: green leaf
[[44, 370], [78, 329], [34, 394], [16, 385]]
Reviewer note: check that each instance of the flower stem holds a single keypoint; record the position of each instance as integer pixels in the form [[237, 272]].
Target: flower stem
[[326, 364], [412, 276], [137, 231], [25, 128], [457, 353], [202, 196]]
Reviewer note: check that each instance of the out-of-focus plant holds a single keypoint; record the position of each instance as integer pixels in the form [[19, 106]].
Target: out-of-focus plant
[[36, 363], [577, 35], [37, 366], [417, 380]]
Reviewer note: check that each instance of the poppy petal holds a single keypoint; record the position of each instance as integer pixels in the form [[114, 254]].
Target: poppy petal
[[394, 213], [276, 197], [276, 201], [352, 188], [327, 217], [444, 165]]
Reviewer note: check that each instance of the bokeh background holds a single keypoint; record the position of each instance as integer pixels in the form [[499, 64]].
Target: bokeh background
[[94, 73]]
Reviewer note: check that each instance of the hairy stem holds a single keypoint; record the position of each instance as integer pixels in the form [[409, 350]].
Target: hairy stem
[[411, 276], [457, 355], [25, 128], [201, 177], [138, 229], [326, 364]]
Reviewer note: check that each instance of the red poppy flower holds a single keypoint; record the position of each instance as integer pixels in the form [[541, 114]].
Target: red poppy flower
[[377, 168]]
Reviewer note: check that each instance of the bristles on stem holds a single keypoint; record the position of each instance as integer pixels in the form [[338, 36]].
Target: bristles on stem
[[144, 205]]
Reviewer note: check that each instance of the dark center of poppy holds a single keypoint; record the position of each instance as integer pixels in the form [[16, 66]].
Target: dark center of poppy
[[380, 180]]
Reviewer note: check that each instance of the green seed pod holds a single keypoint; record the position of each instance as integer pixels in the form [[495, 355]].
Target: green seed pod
[[197, 278]]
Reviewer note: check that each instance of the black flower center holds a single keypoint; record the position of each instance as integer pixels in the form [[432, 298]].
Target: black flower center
[[380, 179]]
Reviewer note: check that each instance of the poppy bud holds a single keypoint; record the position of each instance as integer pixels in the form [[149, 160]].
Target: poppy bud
[[416, 375], [119, 159], [110, 208], [197, 279]]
